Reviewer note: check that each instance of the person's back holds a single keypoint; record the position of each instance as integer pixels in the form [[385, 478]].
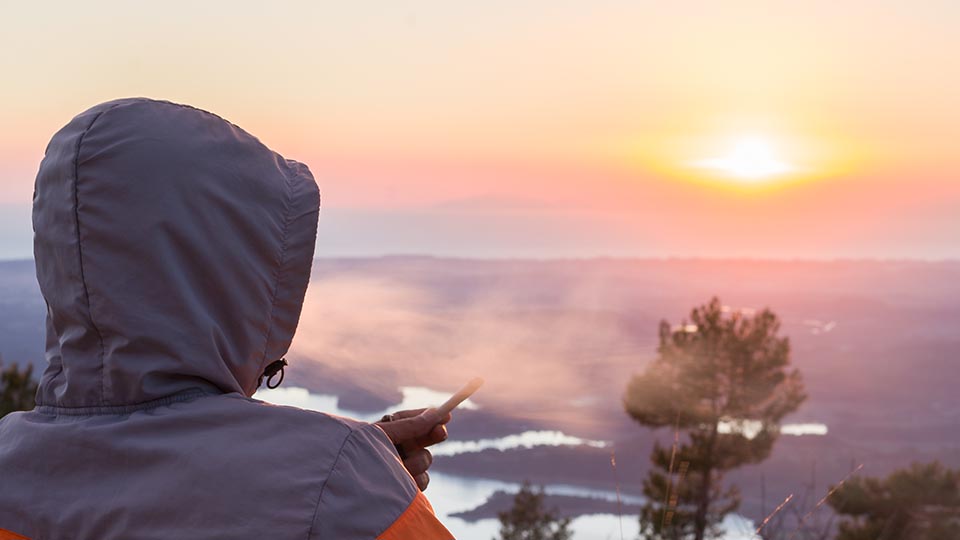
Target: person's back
[[173, 250]]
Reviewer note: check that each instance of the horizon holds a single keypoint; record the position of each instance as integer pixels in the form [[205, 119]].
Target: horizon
[[613, 258]]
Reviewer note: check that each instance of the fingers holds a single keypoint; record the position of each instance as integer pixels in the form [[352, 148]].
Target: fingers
[[414, 430], [418, 462], [399, 415], [437, 435], [409, 428], [407, 413], [422, 481]]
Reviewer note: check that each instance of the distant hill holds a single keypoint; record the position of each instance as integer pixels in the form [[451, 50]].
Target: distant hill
[[22, 314]]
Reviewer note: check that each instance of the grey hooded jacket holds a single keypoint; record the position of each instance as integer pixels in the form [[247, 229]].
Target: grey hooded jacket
[[173, 250]]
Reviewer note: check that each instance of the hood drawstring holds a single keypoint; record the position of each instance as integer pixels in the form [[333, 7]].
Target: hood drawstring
[[270, 371]]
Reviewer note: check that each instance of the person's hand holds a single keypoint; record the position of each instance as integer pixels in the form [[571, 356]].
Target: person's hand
[[412, 431]]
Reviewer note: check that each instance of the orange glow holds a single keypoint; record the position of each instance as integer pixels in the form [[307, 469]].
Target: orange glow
[[569, 128]]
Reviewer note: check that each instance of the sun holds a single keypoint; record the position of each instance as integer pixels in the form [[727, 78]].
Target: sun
[[749, 160]]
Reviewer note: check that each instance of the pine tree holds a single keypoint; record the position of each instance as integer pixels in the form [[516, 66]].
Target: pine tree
[[529, 520], [723, 381], [919, 503], [17, 389]]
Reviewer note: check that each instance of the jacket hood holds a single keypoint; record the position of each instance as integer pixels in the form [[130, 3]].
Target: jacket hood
[[173, 250]]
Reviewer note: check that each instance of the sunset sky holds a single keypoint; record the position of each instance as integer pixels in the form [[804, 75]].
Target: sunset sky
[[816, 129]]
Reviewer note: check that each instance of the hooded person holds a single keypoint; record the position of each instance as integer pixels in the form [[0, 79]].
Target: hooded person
[[173, 250]]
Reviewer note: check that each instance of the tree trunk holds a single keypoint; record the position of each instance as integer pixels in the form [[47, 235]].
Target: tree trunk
[[703, 502]]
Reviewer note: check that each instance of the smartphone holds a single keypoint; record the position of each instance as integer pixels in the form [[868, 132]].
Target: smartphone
[[461, 395]]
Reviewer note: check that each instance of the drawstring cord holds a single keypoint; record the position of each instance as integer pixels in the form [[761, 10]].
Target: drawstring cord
[[270, 371]]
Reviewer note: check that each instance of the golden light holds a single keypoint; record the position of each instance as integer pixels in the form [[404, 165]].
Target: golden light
[[751, 160]]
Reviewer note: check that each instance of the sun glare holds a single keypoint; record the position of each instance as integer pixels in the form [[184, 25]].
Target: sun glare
[[748, 160]]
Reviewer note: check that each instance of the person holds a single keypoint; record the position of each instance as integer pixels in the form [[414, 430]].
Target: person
[[173, 250]]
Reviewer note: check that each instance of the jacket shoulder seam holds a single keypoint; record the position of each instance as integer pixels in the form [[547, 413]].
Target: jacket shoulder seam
[[323, 487]]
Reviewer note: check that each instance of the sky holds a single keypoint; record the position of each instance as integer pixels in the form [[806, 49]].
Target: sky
[[539, 129]]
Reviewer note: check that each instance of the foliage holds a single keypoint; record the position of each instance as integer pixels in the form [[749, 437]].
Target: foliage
[[17, 389], [529, 520], [717, 369], [918, 503]]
